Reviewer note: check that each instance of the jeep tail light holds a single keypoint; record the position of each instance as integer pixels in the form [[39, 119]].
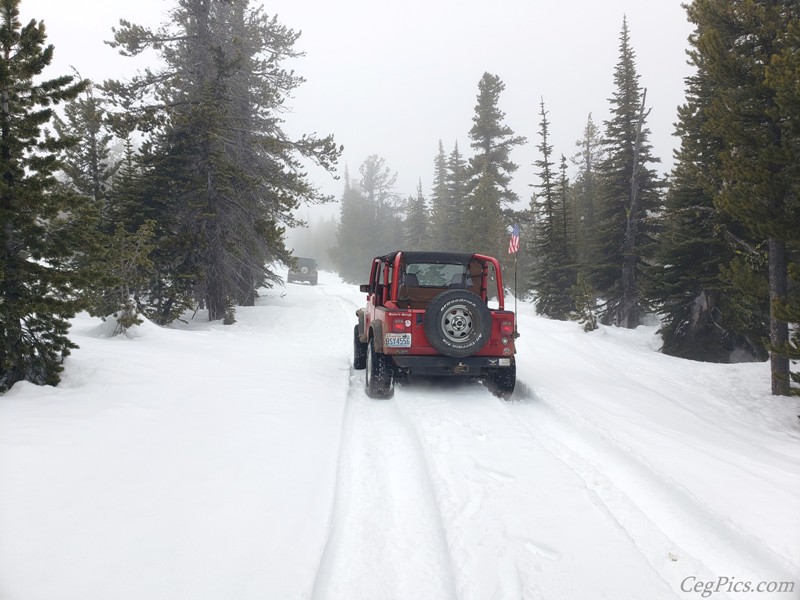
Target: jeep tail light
[[400, 324], [507, 327]]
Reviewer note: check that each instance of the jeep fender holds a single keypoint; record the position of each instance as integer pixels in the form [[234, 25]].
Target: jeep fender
[[377, 333], [362, 334]]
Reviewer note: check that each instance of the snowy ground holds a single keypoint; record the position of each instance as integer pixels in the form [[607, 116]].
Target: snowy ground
[[246, 462]]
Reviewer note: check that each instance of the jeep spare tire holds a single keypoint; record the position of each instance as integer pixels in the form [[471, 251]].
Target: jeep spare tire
[[457, 323]]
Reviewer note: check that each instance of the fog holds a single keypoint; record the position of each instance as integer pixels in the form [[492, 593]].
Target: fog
[[395, 78]]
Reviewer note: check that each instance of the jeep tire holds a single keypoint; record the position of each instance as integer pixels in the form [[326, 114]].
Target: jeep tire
[[379, 376], [359, 352], [457, 323], [503, 380]]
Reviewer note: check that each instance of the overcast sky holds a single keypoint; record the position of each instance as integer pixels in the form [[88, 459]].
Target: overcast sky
[[393, 78]]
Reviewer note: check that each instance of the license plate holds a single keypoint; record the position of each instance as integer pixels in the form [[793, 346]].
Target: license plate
[[505, 362], [397, 340]]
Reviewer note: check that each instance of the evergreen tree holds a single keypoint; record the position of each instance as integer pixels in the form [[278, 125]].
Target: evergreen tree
[[116, 262], [371, 222], [743, 44], [87, 165], [225, 173], [416, 224], [378, 185], [489, 171], [628, 197], [584, 192], [356, 225], [552, 278], [704, 315], [42, 223], [442, 213], [457, 182], [782, 74]]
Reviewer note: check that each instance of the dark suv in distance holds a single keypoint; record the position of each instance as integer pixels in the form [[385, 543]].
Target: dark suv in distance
[[302, 269]]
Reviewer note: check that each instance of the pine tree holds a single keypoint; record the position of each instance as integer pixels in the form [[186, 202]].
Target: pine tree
[[584, 192], [378, 185], [442, 217], [356, 220], [704, 315], [370, 220], [42, 223], [552, 278], [457, 182], [416, 224], [227, 176], [628, 197], [740, 42], [88, 166], [782, 74], [489, 171], [114, 279]]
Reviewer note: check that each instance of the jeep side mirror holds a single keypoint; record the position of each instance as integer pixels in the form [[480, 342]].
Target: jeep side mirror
[[364, 287]]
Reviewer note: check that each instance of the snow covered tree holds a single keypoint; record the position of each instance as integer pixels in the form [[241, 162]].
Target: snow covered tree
[[42, 224]]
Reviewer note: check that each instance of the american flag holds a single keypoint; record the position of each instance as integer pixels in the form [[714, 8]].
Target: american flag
[[513, 243]]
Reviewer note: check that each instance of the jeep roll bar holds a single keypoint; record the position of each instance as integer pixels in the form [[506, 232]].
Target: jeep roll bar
[[398, 256]]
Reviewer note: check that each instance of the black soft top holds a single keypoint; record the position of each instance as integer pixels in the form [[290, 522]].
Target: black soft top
[[445, 258]]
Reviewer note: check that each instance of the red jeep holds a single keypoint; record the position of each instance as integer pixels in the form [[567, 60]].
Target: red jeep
[[435, 313]]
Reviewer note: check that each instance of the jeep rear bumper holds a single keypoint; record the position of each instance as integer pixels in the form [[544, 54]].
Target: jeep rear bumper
[[471, 366]]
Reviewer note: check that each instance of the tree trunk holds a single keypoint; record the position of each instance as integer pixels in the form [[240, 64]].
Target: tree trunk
[[778, 330]]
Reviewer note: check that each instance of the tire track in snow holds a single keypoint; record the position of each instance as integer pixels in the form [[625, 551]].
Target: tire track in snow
[[386, 539], [660, 517], [517, 518]]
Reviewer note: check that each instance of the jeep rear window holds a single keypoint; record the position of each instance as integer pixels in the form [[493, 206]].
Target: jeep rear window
[[436, 275], [305, 262]]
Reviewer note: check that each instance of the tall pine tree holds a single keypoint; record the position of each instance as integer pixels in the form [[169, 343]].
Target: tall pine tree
[[417, 222], [442, 217], [226, 175], [41, 222], [759, 158], [628, 197], [551, 280], [584, 191], [490, 171], [457, 182], [704, 316]]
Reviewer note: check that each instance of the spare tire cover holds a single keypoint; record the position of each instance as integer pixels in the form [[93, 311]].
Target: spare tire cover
[[457, 323]]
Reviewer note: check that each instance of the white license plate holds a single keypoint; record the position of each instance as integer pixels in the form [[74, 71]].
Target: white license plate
[[397, 340], [505, 362]]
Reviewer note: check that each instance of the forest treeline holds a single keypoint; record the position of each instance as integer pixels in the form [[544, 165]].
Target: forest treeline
[[174, 190], [713, 248]]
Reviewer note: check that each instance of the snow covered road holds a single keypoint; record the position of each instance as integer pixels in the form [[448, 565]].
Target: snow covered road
[[206, 461]]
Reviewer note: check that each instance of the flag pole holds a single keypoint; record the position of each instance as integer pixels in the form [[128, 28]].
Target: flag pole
[[516, 333], [513, 248]]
